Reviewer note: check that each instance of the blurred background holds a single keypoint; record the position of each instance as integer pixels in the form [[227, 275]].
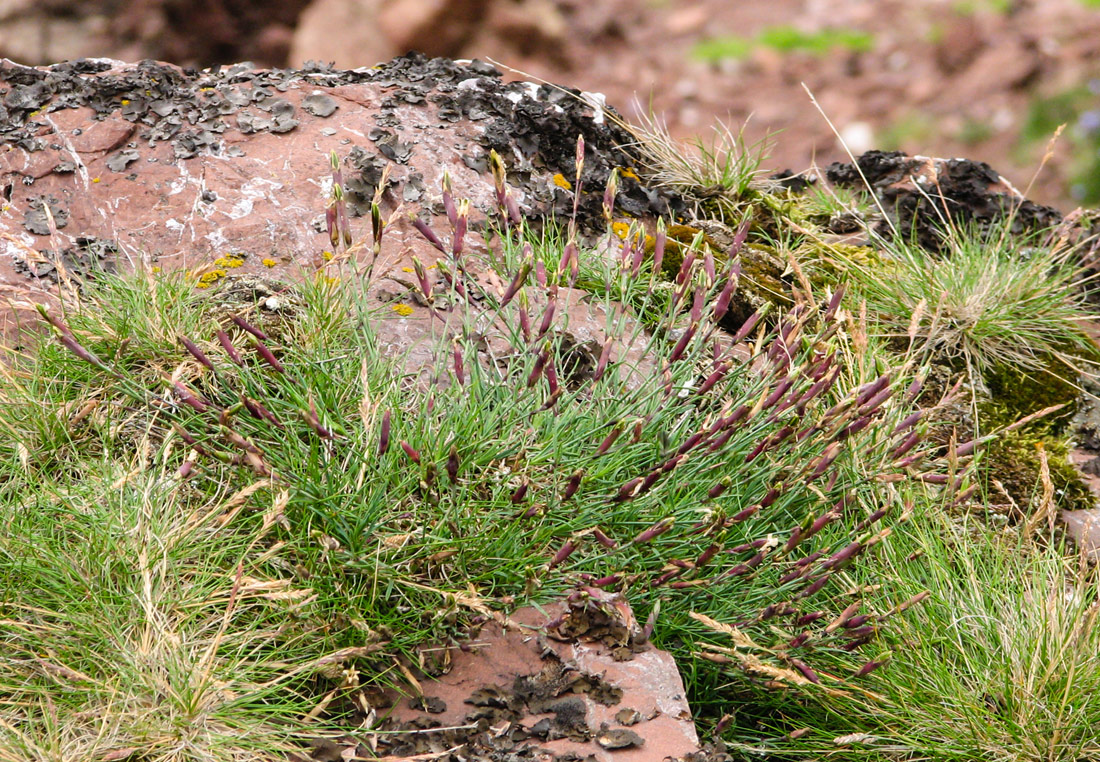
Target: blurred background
[[986, 79]]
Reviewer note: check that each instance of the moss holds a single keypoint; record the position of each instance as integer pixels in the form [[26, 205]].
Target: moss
[[1013, 459]]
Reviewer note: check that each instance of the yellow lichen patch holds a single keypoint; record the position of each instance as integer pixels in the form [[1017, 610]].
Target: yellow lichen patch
[[156, 269], [268, 262], [125, 101], [229, 261], [403, 310], [561, 182], [621, 229], [95, 179], [210, 278]]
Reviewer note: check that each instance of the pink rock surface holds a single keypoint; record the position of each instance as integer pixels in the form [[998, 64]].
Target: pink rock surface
[[649, 681]]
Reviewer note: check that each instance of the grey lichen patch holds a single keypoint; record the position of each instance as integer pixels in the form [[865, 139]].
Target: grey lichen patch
[[319, 104], [35, 219], [120, 160]]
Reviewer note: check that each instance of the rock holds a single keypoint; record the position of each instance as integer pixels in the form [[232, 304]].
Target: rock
[[1084, 527], [916, 189], [186, 33], [225, 171], [344, 32], [541, 697]]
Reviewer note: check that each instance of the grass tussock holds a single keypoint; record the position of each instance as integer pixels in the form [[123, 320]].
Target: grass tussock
[[221, 537]]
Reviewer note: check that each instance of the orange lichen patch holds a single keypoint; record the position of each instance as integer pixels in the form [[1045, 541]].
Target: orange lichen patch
[[561, 182]]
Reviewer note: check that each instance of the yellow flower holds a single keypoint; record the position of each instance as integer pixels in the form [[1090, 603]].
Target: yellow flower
[[561, 182], [403, 310], [628, 172], [267, 262], [95, 179], [156, 269], [326, 255], [125, 101]]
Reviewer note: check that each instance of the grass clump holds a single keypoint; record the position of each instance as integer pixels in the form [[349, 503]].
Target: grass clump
[[989, 300], [362, 509], [784, 39]]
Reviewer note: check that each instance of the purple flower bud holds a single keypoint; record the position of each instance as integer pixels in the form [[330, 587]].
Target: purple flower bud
[[707, 555], [691, 442], [816, 586], [540, 363], [742, 515], [414, 456], [572, 485], [722, 305], [459, 363], [384, 437], [314, 422], [518, 280], [603, 539], [185, 469], [843, 555], [778, 392], [626, 492], [520, 492], [649, 481], [547, 318], [250, 328], [681, 345], [914, 389], [868, 391], [718, 488], [564, 553], [422, 279], [230, 350], [908, 422], [798, 640], [606, 581], [857, 621], [875, 402], [869, 667], [452, 464], [708, 266], [656, 530], [77, 349], [605, 445], [605, 356], [427, 232], [259, 411], [267, 356], [861, 632], [524, 324], [659, 241], [196, 352], [808, 673], [189, 398], [806, 619], [834, 303], [540, 273], [609, 192], [793, 540], [685, 269], [662, 579]]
